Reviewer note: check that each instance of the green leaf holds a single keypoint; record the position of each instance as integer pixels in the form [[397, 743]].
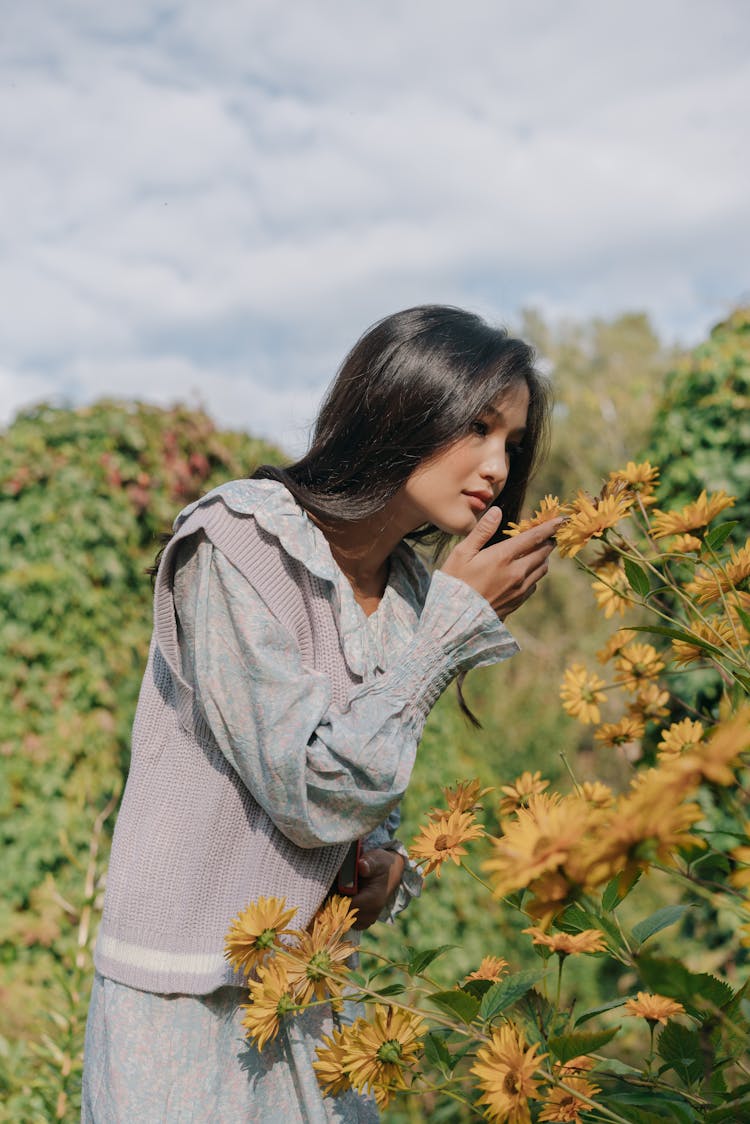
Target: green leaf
[[678, 634], [733, 1113], [507, 992], [743, 615], [718, 536], [477, 988], [613, 895], [392, 989], [598, 1010], [457, 1003], [418, 961], [680, 1047], [668, 915], [637, 577], [699, 992], [438, 1054], [567, 1046]]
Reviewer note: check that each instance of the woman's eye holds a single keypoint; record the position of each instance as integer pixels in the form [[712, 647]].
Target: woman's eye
[[480, 427]]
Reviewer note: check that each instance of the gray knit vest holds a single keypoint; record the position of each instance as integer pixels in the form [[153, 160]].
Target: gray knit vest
[[191, 846]]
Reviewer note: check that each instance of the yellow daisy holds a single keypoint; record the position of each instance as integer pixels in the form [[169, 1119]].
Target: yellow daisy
[[491, 968], [581, 693], [640, 478], [611, 590], [718, 632], [271, 1000], [563, 1106], [652, 1007], [255, 931], [598, 794], [517, 794], [379, 1054], [716, 759], [464, 796], [692, 517], [505, 1070], [685, 544], [549, 508], [536, 840], [334, 918], [650, 701], [589, 940], [312, 962], [329, 1068], [615, 644], [637, 663], [619, 733], [680, 736], [443, 839], [590, 518]]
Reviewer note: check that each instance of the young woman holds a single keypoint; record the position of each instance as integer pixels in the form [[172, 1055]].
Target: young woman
[[299, 645]]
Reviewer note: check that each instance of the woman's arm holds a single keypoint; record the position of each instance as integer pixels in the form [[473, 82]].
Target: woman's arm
[[323, 774]]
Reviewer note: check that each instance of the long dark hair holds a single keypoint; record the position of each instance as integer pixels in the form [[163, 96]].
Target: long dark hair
[[411, 386]]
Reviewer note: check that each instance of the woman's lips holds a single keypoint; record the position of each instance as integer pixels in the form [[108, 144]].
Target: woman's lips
[[479, 500]]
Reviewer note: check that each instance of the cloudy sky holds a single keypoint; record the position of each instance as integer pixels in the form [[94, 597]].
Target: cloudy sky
[[209, 202]]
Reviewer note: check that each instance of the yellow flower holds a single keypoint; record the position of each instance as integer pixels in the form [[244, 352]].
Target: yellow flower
[[270, 1000], [581, 693], [549, 508], [598, 794], [611, 589], [517, 794], [679, 737], [255, 931], [619, 733], [615, 644], [505, 1069], [334, 918], [737, 568], [563, 1106], [537, 840], [715, 760], [589, 940], [692, 517], [717, 632], [378, 1054], [636, 663], [311, 963], [590, 518], [329, 1068], [462, 797], [652, 1007], [685, 544], [709, 584], [640, 478], [443, 838], [491, 968], [650, 701]]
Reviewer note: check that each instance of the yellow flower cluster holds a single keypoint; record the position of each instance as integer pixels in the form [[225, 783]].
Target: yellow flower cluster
[[309, 965], [559, 847], [372, 1057]]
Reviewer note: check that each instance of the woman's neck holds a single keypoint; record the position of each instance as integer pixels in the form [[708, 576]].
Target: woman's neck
[[362, 551]]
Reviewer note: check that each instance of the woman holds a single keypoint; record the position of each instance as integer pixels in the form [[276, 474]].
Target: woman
[[299, 645]]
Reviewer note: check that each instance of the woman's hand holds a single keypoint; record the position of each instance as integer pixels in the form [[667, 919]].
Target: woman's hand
[[506, 573], [379, 874]]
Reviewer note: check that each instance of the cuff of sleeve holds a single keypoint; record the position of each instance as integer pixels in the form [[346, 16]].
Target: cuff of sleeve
[[408, 888], [458, 630]]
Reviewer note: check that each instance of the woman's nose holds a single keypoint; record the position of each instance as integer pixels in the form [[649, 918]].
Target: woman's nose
[[495, 469]]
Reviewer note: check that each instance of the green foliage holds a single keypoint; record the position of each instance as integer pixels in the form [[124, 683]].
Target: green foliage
[[701, 429], [84, 496]]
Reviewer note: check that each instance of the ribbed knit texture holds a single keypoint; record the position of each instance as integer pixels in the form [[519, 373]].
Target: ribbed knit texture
[[185, 863]]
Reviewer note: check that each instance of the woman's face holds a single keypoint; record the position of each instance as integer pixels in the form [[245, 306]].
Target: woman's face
[[454, 488]]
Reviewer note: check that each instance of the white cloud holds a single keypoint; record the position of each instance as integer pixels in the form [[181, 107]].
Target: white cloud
[[205, 191]]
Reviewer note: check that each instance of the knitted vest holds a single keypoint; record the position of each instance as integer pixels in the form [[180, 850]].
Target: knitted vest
[[192, 847]]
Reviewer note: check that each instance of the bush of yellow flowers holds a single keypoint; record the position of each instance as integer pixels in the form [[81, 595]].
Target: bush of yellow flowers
[[513, 1045]]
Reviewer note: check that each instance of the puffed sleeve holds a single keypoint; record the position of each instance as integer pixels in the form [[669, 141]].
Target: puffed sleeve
[[324, 774]]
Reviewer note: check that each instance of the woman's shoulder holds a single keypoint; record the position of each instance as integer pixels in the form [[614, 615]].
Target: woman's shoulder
[[275, 511]]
